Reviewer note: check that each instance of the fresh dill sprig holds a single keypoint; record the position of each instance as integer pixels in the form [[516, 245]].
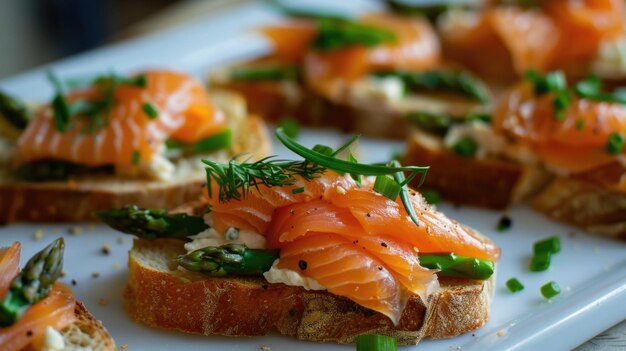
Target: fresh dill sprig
[[235, 179]]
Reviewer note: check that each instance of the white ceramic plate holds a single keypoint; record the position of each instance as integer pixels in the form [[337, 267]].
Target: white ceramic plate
[[591, 270]]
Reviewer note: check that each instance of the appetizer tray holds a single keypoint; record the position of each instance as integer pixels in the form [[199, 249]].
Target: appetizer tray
[[590, 270]]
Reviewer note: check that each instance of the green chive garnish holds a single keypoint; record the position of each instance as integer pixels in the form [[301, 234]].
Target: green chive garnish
[[540, 262], [387, 186], [504, 223], [376, 343], [136, 158], [549, 245], [514, 285], [431, 196], [616, 142], [465, 147], [550, 290], [290, 126], [580, 124], [297, 190], [335, 34], [561, 102], [219, 141], [266, 73], [150, 110], [323, 149]]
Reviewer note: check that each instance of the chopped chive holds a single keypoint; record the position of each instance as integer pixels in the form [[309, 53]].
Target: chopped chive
[[298, 190], [372, 342], [141, 81], [387, 186], [616, 142], [335, 34], [136, 158], [550, 290], [504, 223], [580, 124], [479, 117], [150, 110], [540, 262], [561, 102], [290, 126], [514, 285], [465, 147], [550, 245], [431, 196], [266, 73], [323, 149]]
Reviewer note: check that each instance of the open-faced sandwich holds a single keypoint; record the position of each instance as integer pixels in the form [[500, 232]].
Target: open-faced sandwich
[[561, 146], [37, 312], [381, 75], [115, 141], [323, 249]]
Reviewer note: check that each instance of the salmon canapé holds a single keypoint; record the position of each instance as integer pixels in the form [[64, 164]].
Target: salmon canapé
[[408, 44], [132, 129], [56, 310], [588, 136], [504, 41], [354, 241]]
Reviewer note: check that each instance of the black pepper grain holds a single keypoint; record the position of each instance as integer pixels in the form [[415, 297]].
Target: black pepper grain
[[302, 264]]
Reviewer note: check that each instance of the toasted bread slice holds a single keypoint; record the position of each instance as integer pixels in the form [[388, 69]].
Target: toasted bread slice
[[490, 182], [585, 205], [161, 295], [86, 333], [276, 100], [78, 199]]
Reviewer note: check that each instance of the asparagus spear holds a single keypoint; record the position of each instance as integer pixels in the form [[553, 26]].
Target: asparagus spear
[[237, 259], [229, 259], [451, 80], [33, 283], [451, 265], [267, 73], [152, 224]]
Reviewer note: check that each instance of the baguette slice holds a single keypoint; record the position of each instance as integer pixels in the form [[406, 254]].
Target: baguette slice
[[584, 204], [276, 100], [160, 295], [492, 183], [79, 199], [86, 333]]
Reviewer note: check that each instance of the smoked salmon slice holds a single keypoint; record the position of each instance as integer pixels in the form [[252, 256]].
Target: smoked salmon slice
[[56, 310], [416, 46], [9, 266], [182, 111], [508, 40], [345, 270], [575, 143], [352, 240]]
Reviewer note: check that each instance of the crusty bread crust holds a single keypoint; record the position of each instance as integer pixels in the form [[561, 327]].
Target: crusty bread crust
[[86, 333], [491, 183], [584, 204], [79, 199], [160, 295]]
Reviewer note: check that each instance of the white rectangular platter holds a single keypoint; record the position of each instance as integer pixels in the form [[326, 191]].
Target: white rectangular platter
[[591, 270]]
